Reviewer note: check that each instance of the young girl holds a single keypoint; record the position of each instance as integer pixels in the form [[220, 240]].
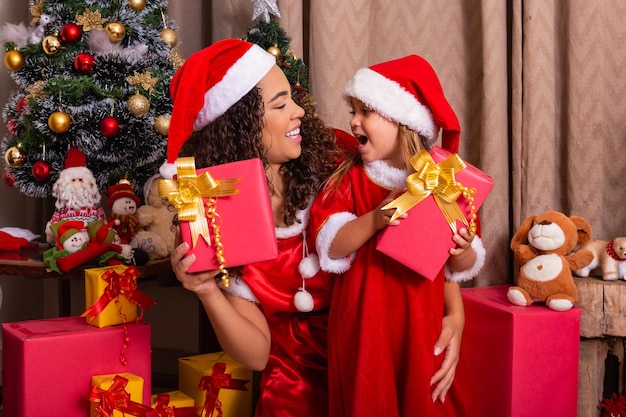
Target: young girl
[[232, 102], [385, 318]]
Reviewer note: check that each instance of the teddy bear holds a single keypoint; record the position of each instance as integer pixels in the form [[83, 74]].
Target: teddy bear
[[609, 259], [547, 249], [156, 217]]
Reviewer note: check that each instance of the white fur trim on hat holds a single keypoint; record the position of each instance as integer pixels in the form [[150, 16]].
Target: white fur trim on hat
[[472, 272], [167, 170], [392, 101], [240, 78], [324, 239]]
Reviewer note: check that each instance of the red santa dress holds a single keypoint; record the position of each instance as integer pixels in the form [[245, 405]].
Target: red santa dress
[[294, 382], [384, 318]]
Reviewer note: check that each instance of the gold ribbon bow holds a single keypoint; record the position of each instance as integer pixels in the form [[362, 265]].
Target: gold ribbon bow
[[433, 179], [187, 191]]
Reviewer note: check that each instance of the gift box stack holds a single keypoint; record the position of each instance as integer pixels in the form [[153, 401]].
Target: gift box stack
[[75, 366]]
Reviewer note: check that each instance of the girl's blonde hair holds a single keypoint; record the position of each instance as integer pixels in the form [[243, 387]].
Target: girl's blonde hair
[[410, 143]]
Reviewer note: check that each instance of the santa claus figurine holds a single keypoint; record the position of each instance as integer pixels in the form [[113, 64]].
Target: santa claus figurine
[[123, 203], [76, 192]]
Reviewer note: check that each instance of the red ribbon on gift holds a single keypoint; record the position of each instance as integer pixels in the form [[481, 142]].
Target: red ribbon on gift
[[163, 409], [116, 398], [213, 383], [120, 284]]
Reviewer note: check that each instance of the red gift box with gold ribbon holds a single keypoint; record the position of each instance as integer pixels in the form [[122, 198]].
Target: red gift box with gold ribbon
[[437, 203], [223, 208]]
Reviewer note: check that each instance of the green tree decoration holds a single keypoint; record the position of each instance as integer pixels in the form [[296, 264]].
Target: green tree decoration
[[271, 37], [93, 75]]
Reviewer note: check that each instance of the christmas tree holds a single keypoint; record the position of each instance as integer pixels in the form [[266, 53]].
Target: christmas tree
[[270, 36], [93, 75]]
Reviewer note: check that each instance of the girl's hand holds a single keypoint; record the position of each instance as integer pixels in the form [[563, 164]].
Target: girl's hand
[[449, 343], [463, 240], [201, 283], [382, 218]]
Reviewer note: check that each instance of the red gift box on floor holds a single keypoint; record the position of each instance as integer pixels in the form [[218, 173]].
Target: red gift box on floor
[[524, 359], [246, 222], [47, 365], [423, 240]]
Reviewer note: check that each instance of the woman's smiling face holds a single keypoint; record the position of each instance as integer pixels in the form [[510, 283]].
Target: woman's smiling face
[[281, 131]]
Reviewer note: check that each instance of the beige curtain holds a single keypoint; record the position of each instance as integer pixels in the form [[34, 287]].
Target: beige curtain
[[537, 86]]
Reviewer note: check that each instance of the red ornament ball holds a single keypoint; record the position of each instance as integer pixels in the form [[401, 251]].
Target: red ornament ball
[[41, 171], [84, 63], [109, 127], [8, 178], [71, 32], [13, 127], [22, 103]]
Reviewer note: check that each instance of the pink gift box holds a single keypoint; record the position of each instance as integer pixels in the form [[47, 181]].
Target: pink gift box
[[423, 240], [247, 222], [524, 359], [47, 365]]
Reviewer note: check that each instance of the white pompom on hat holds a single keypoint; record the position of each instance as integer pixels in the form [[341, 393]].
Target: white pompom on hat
[[407, 90], [207, 85]]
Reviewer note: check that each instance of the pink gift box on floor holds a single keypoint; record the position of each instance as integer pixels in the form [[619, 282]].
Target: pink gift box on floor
[[246, 219], [524, 359], [422, 241], [47, 364]]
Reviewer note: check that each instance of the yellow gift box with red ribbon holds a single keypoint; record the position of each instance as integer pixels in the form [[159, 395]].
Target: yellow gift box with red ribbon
[[216, 382], [443, 195], [173, 403], [224, 212], [112, 296], [117, 395]]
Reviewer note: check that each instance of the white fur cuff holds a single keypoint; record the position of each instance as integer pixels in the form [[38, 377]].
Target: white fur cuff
[[324, 239], [240, 289], [468, 274]]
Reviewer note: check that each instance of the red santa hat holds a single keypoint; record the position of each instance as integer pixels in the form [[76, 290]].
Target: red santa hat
[[407, 91], [75, 158], [120, 190], [208, 84]]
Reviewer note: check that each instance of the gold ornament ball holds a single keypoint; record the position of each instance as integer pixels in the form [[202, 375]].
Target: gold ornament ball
[[138, 104], [14, 60], [162, 124], [51, 45], [59, 122], [14, 157], [169, 37], [137, 5], [274, 50], [115, 31]]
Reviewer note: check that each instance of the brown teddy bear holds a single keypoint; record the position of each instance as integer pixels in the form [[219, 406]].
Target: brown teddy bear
[[156, 217], [609, 259], [545, 248]]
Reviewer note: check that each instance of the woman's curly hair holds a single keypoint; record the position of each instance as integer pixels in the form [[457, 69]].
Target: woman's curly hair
[[237, 135]]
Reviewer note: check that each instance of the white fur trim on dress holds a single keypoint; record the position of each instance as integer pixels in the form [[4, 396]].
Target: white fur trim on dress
[[324, 239], [385, 175], [240, 78], [296, 228], [392, 101], [472, 272], [239, 288]]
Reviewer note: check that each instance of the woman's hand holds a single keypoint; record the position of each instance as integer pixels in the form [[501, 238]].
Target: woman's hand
[[203, 284]]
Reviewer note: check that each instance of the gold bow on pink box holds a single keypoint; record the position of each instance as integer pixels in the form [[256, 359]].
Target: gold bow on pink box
[[439, 181], [187, 191]]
